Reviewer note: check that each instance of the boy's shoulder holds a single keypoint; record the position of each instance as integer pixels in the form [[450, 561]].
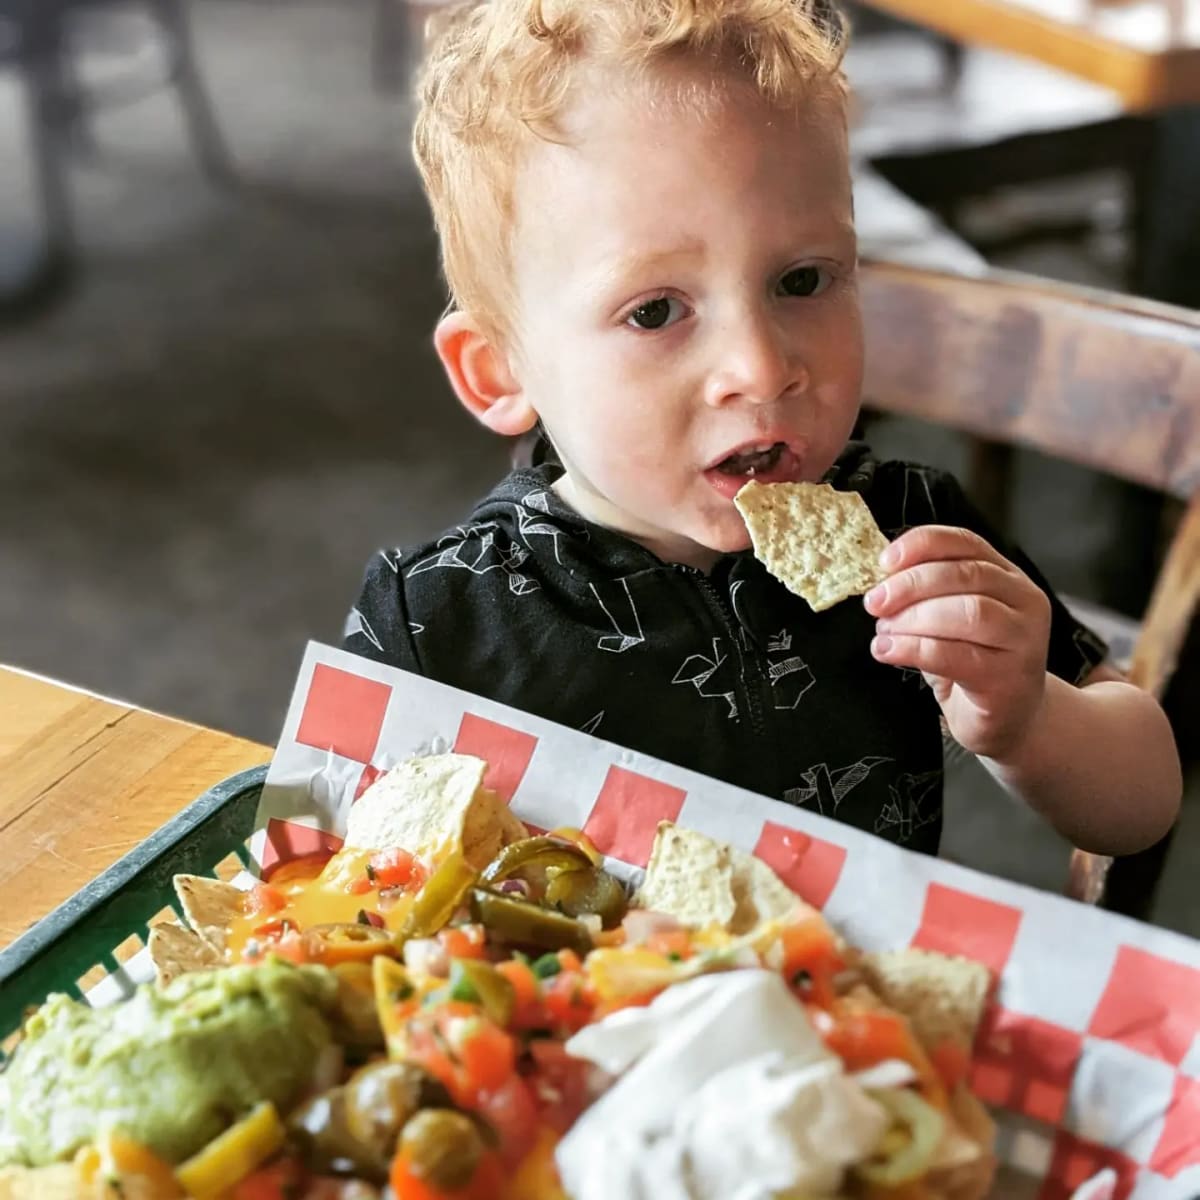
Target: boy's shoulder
[[520, 538]]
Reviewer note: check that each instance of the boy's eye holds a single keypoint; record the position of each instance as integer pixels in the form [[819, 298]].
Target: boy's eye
[[656, 313], [803, 281]]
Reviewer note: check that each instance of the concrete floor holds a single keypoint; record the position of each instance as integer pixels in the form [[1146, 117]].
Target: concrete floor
[[201, 447]]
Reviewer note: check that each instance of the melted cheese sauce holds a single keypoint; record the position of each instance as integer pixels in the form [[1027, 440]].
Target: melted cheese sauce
[[323, 899]]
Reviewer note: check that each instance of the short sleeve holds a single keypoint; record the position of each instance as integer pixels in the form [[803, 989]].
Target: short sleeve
[[1074, 650], [378, 626]]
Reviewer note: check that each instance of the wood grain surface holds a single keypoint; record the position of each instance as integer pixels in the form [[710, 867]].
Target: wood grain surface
[[1147, 51], [83, 780]]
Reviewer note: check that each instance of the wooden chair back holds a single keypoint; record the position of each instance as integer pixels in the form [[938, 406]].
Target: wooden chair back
[[1108, 381]]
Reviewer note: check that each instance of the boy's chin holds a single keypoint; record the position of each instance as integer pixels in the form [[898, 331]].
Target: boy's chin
[[728, 541]]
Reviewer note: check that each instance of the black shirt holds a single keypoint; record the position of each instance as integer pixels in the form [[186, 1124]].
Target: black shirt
[[727, 674]]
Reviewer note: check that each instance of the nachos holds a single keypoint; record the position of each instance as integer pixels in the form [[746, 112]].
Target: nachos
[[443, 1008]]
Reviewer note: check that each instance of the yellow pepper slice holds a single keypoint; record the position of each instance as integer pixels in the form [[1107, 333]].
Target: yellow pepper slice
[[117, 1165], [229, 1158], [395, 999], [536, 1176]]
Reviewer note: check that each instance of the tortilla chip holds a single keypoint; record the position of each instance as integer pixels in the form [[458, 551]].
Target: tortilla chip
[[943, 997], [689, 877], [489, 827], [700, 881], [820, 543], [760, 894], [428, 805], [175, 951], [210, 907]]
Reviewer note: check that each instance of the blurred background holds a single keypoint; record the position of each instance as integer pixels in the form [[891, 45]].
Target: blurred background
[[218, 281]]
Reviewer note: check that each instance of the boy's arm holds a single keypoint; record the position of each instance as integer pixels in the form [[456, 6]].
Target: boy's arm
[[1098, 761]]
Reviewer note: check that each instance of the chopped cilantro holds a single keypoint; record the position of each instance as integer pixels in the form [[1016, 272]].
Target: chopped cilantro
[[547, 966]]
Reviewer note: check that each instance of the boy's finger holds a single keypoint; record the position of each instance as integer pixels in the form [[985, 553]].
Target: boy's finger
[[964, 663], [946, 577], [928, 543], [983, 620]]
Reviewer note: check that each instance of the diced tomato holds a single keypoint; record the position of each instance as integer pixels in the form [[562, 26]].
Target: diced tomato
[[527, 994], [862, 1038], [488, 1056], [281, 937], [811, 960], [558, 1082], [395, 868], [484, 1185], [458, 1045], [273, 930], [569, 960], [567, 1000], [426, 1050], [464, 941], [512, 1112], [263, 898], [675, 944], [951, 1060], [360, 885], [307, 866], [280, 1181]]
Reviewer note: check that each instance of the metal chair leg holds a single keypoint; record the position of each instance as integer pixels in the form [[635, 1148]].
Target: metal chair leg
[[207, 140]]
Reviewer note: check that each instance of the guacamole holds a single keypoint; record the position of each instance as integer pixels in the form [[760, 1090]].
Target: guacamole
[[170, 1067]]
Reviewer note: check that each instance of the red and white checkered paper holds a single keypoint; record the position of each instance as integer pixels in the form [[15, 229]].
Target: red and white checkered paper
[[1090, 1054]]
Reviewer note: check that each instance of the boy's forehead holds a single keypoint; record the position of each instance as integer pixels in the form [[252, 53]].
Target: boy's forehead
[[643, 159]]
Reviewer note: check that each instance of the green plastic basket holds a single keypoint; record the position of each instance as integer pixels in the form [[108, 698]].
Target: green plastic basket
[[80, 938]]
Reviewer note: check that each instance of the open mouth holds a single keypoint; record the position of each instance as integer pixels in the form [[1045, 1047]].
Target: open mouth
[[766, 462], [752, 461]]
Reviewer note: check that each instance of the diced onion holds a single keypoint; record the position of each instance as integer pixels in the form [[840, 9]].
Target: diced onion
[[640, 924], [426, 956]]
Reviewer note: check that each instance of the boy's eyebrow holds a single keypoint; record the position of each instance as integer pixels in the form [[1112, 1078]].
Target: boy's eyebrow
[[636, 262], [621, 266]]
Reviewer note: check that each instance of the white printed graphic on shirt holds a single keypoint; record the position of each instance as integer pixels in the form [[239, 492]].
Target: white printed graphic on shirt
[[824, 790], [528, 525], [917, 507], [915, 802], [480, 549], [790, 676], [705, 675], [592, 723], [620, 609], [357, 623]]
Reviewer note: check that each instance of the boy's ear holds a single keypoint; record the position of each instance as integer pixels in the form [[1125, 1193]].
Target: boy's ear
[[481, 376]]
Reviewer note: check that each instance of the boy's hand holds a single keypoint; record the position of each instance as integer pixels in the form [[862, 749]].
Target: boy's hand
[[975, 625]]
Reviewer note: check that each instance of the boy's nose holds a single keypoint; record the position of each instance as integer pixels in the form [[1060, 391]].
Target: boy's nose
[[754, 364]]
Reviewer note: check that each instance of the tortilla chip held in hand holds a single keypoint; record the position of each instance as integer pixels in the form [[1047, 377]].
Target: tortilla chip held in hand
[[820, 543]]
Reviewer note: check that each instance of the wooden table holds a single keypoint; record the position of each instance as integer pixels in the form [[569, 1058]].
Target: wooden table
[[1147, 51], [83, 780]]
